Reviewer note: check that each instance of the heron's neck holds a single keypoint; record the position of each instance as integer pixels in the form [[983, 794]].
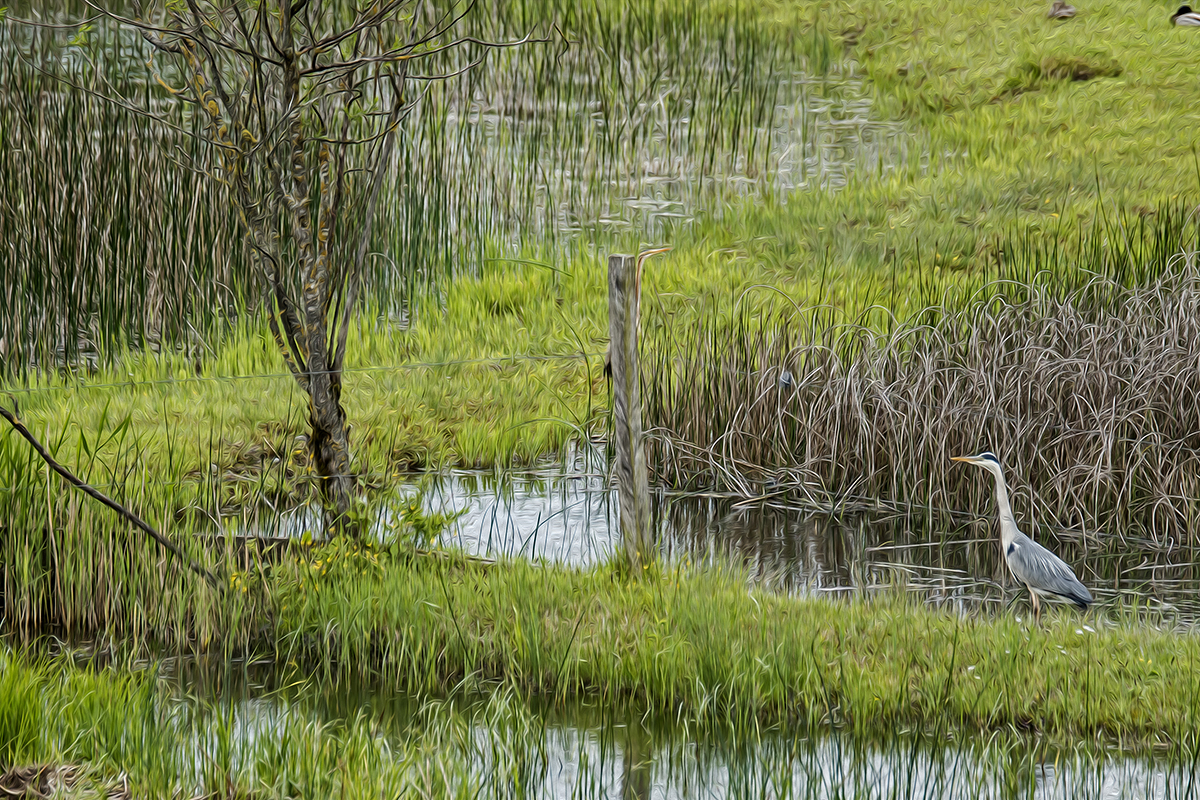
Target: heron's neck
[[1008, 525]]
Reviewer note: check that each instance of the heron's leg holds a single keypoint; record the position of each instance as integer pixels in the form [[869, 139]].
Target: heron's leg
[[1037, 609]]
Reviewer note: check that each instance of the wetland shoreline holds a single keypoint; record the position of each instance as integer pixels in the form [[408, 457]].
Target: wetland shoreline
[[703, 645]]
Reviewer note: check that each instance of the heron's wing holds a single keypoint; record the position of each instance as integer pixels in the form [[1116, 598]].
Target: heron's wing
[[1037, 567]]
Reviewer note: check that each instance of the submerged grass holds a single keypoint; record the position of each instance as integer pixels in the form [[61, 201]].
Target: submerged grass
[[86, 731], [112, 732]]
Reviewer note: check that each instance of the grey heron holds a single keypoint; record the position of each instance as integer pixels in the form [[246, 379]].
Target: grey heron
[[1043, 573]]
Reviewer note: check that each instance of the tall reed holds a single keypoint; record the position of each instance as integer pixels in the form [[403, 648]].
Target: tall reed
[[114, 237], [1086, 394], [634, 118]]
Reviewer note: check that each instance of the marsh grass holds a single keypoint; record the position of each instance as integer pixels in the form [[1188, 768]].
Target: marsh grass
[[721, 416], [1080, 387], [637, 118], [125, 730], [111, 241], [875, 408], [643, 111], [114, 729], [700, 646], [482, 260]]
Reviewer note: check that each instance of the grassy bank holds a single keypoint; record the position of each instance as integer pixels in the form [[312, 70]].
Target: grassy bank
[[699, 645], [689, 644]]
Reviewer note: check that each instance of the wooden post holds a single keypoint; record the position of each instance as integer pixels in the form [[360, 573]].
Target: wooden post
[[632, 478]]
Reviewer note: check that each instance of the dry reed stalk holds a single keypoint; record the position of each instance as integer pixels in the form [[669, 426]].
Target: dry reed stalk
[[1091, 398]]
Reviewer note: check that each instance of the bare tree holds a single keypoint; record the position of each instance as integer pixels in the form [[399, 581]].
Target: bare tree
[[301, 101]]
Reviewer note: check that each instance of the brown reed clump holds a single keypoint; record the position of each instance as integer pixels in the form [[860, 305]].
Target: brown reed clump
[[1090, 397]]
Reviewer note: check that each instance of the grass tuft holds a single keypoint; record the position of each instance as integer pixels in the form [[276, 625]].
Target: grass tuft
[[1033, 76]]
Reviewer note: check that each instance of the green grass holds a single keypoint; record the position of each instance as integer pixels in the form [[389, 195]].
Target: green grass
[[696, 645], [1015, 141], [125, 729], [515, 383], [700, 645]]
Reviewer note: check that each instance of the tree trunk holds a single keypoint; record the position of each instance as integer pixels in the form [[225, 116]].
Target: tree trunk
[[297, 101], [329, 450]]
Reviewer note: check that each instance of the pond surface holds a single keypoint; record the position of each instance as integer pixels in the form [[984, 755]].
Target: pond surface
[[569, 517], [512, 747]]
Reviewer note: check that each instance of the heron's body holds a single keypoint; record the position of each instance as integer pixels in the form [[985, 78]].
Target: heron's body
[[1044, 574], [1186, 17]]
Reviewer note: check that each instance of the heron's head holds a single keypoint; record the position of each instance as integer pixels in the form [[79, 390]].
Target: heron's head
[[986, 460]]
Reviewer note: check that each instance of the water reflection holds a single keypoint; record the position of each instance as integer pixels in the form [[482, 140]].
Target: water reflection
[[569, 519], [587, 751], [572, 519]]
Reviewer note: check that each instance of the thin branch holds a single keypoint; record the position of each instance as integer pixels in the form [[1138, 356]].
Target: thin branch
[[95, 494], [374, 138], [364, 24], [400, 55], [65, 27], [448, 75]]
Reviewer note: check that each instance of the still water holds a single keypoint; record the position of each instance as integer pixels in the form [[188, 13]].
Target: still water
[[571, 518], [513, 747]]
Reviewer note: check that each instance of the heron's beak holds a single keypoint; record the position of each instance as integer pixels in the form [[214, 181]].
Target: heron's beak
[[965, 459]]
